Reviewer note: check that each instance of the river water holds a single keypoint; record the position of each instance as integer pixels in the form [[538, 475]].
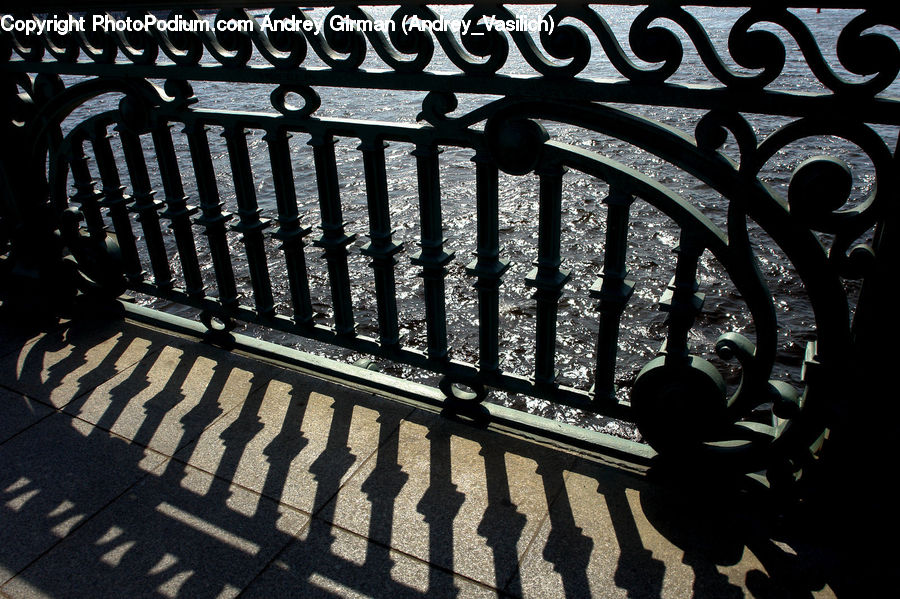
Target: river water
[[652, 236]]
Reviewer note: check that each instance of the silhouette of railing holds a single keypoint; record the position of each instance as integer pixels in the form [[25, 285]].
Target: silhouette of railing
[[72, 223]]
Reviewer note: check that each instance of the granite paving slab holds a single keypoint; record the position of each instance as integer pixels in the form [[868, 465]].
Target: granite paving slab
[[176, 534], [296, 439], [613, 535], [454, 496], [330, 562], [53, 477], [18, 412], [64, 363], [16, 331], [172, 394]]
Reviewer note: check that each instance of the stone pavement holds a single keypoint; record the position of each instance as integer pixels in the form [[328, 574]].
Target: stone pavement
[[137, 463]]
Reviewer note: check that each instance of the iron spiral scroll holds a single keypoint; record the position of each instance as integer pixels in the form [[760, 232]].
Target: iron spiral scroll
[[680, 400]]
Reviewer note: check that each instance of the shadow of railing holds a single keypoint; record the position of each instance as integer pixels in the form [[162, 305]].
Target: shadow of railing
[[272, 483]]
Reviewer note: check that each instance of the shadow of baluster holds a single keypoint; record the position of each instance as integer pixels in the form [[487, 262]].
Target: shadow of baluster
[[439, 505], [119, 396], [637, 571], [165, 399], [282, 450], [235, 439], [27, 368], [502, 524], [207, 409], [567, 548], [382, 488], [329, 469]]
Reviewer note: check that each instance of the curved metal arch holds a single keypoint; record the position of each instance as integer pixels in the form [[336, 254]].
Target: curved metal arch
[[66, 101], [58, 178], [760, 203], [751, 197]]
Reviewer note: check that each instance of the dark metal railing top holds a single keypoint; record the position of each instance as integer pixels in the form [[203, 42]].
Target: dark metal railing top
[[111, 184]]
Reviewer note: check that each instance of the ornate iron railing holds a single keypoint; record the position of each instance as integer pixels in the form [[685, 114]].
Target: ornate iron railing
[[72, 223]]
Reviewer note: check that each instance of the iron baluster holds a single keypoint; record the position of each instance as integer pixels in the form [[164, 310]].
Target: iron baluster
[[381, 248], [177, 211], [613, 290], [115, 200], [487, 266], [290, 233], [681, 300], [547, 278], [86, 194], [333, 240], [250, 225], [145, 205], [432, 257], [212, 218]]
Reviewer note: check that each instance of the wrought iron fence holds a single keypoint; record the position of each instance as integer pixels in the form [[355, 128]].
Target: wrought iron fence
[[72, 223]]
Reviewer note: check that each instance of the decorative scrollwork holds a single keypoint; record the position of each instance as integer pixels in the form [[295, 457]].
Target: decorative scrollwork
[[870, 53], [482, 51], [342, 48], [757, 49], [140, 47], [413, 42], [818, 188], [184, 48], [64, 48], [712, 131], [102, 47], [283, 49], [436, 106], [482, 48], [178, 94], [232, 47]]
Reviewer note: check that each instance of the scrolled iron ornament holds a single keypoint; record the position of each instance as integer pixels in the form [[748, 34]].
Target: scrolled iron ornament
[[413, 42], [140, 47], [282, 49], [654, 45], [849, 223], [231, 46], [870, 53], [859, 262], [713, 128], [818, 188], [99, 258], [342, 48], [758, 49], [184, 48], [64, 48], [566, 42], [28, 47], [20, 106], [102, 47], [481, 50], [46, 86], [178, 94], [436, 106]]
